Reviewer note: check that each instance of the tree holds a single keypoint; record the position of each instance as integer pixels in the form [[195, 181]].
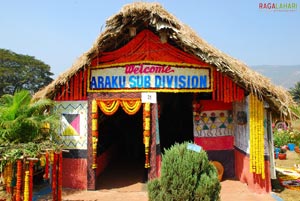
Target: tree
[[295, 92], [19, 71], [23, 120]]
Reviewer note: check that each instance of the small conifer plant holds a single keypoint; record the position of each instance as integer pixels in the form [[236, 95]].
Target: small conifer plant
[[186, 175]]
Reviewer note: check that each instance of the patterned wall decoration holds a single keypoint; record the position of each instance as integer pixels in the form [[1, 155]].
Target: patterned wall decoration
[[213, 123], [73, 130], [241, 130]]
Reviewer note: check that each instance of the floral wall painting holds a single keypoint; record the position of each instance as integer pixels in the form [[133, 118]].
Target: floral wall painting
[[213, 123]]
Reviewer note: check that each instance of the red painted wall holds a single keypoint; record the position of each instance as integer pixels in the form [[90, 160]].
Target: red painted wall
[[74, 173], [254, 182], [215, 143]]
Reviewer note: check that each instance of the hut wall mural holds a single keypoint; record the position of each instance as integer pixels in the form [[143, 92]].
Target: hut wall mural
[[73, 131], [73, 134], [152, 82]]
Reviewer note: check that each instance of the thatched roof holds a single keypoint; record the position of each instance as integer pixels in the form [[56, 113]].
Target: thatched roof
[[153, 16]]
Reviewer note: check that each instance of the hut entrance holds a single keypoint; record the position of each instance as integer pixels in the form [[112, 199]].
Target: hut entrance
[[176, 118], [120, 150]]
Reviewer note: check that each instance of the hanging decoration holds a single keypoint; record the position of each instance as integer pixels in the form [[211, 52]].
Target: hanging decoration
[[95, 131], [108, 107], [146, 133], [256, 110], [8, 172], [18, 172], [19, 180], [26, 185], [131, 106], [224, 89]]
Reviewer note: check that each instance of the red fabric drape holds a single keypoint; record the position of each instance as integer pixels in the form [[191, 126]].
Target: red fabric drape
[[146, 46]]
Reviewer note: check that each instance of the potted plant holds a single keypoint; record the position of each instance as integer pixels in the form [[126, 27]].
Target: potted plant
[[282, 154]]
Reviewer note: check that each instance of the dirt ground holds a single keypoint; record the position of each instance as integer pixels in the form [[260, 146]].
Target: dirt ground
[[126, 183], [231, 191]]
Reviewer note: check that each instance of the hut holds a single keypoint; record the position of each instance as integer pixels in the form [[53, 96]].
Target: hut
[[150, 81]]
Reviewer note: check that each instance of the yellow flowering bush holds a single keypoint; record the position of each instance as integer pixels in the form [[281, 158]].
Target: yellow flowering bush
[[283, 137]]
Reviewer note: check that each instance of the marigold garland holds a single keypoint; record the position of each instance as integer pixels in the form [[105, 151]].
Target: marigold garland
[[19, 180], [256, 110], [146, 133], [26, 186], [131, 106], [8, 176], [108, 107]]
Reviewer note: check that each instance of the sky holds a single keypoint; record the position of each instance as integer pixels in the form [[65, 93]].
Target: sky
[[58, 32]]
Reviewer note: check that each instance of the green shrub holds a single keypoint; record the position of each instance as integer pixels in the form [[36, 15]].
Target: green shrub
[[185, 175]]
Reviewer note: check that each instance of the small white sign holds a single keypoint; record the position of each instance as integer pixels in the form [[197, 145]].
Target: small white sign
[[149, 97], [194, 147]]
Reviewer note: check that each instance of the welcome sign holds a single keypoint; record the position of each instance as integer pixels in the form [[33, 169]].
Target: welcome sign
[[150, 77]]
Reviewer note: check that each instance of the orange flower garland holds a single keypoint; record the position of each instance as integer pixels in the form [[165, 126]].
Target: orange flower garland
[[19, 180], [109, 107], [131, 106], [146, 133], [8, 177]]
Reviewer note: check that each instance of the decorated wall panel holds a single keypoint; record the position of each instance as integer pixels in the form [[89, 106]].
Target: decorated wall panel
[[241, 130], [73, 131], [212, 119]]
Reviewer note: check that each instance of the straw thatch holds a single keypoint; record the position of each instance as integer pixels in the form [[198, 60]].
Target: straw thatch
[[153, 16]]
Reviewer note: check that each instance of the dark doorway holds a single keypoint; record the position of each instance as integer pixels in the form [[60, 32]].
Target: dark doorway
[[176, 118], [122, 136]]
